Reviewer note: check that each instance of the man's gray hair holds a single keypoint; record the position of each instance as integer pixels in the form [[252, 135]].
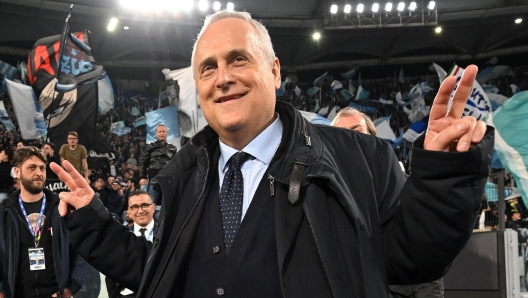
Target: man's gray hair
[[350, 111], [262, 41]]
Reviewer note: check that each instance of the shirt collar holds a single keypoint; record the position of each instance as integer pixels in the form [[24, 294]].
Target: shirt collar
[[262, 147], [149, 227]]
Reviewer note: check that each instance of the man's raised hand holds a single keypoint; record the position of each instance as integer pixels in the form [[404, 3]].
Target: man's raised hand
[[446, 130], [80, 193]]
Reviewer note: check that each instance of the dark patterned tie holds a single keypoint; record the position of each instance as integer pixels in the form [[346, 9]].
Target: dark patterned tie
[[142, 231], [231, 197]]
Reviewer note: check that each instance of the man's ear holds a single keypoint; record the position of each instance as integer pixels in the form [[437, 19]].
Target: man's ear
[[276, 73], [17, 172]]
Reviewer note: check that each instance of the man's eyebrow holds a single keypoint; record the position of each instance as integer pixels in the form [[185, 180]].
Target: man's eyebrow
[[354, 126], [206, 61], [232, 53]]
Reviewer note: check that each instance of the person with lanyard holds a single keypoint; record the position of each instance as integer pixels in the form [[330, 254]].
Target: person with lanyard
[[141, 210], [38, 261]]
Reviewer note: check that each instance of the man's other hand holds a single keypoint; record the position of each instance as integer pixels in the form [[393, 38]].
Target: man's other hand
[[447, 131], [80, 193]]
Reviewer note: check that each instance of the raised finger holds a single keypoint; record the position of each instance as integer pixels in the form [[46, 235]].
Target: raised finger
[[439, 109], [465, 85], [70, 177], [465, 141]]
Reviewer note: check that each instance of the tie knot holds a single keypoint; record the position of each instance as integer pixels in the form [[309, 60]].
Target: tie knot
[[236, 161], [142, 231]]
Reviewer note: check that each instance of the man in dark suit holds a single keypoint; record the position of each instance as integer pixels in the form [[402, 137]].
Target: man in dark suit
[[141, 210], [261, 203]]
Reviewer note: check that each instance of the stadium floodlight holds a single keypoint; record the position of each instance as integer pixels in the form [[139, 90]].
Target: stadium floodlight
[[230, 6], [401, 6], [412, 6], [333, 9], [186, 5], [126, 27], [388, 6], [112, 25], [348, 8], [518, 21], [360, 8], [316, 36], [217, 5], [375, 7], [203, 5], [431, 5], [438, 30]]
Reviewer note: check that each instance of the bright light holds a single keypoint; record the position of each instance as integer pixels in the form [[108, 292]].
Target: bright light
[[388, 7], [518, 21], [348, 8], [126, 27], [360, 8], [112, 25], [203, 5], [375, 7], [431, 5], [217, 5], [438, 30], [316, 36], [230, 6], [412, 6], [333, 9], [185, 5], [401, 6]]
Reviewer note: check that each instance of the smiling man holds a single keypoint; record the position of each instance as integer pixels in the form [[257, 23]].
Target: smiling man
[[36, 247], [261, 203]]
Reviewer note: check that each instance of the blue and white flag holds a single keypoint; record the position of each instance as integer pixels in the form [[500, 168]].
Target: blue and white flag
[[121, 131], [118, 124], [511, 136], [319, 81], [491, 72], [416, 129], [383, 129], [28, 114], [336, 85], [401, 78], [478, 104], [346, 94], [362, 94], [315, 118], [140, 121], [332, 113], [192, 119], [351, 87], [22, 68], [490, 89], [105, 96], [348, 75], [298, 91], [496, 100], [515, 89], [440, 71], [362, 108], [134, 111], [5, 119], [167, 116], [9, 72], [313, 91]]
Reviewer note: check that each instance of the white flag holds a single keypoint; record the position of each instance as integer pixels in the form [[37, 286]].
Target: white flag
[[478, 104], [23, 99]]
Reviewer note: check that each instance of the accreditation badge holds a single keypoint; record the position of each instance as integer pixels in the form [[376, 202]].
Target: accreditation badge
[[36, 259]]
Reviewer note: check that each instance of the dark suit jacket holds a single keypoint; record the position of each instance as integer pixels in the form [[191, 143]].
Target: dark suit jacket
[[342, 205]]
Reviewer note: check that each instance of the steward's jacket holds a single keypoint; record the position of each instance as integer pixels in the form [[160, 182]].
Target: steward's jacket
[[155, 156], [342, 205], [69, 267]]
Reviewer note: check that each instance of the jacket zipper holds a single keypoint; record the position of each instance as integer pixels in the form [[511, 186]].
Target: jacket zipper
[[272, 185], [184, 223], [304, 132], [319, 251]]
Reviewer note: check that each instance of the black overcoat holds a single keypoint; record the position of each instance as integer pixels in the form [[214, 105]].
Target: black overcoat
[[347, 220]]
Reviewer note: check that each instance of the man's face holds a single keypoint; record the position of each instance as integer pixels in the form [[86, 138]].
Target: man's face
[[110, 180], [161, 133], [3, 156], [99, 184], [354, 122], [47, 150], [19, 145], [235, 81], [32, 175], [516, 216], [141, 217], [72, 140]]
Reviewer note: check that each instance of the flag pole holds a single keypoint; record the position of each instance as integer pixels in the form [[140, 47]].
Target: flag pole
[[59, 64]]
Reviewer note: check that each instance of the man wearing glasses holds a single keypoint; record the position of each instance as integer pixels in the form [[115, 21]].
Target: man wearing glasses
[[74, 153], [141, 211]]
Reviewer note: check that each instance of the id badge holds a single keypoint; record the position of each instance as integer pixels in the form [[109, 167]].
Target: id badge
[[36, 259]]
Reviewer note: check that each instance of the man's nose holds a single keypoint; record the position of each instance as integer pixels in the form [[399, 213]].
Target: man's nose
[[224, 78]]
